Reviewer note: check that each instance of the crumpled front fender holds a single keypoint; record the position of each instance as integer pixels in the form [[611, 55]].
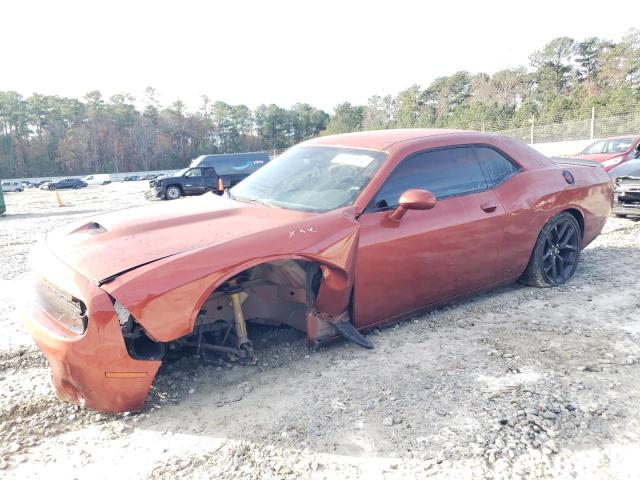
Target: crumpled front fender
[[166, 296]]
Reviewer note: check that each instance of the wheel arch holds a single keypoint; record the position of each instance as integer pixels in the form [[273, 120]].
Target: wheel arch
[[327, 286], [220, 280], [577, 214], [175, 185], [164, 324]]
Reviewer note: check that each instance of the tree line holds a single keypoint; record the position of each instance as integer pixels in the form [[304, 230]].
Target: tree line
[[44, 135]]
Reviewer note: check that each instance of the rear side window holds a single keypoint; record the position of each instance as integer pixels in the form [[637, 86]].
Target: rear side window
[[496, 167], [445, 173]]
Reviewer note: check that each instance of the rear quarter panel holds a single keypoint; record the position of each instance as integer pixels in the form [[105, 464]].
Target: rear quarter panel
[[533, 197]]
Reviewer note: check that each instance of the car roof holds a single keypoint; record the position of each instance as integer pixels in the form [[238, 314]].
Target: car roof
[[380, 139]]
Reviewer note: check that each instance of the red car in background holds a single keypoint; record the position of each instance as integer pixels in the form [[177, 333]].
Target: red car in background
[[337, 236], [612, 151]]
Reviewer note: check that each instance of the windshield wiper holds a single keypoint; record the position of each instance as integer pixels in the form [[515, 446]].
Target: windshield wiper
[[252, 200]]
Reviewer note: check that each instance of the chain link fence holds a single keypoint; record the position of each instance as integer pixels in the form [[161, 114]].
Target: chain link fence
[[595, 127]]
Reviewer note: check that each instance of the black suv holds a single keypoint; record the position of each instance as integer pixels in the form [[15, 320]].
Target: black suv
[[207, 173]]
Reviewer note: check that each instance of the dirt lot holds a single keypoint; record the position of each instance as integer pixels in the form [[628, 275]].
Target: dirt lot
[[518, 383]]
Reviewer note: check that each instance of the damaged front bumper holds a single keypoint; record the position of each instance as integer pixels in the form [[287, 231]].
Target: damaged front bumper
[[155, 193], [626, 209], [92, 367], [626, 202], [626, 197]]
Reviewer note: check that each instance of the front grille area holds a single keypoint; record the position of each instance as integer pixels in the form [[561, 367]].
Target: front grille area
[[64, 308]]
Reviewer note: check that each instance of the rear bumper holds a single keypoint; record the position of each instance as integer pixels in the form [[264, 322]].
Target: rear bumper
[[93, 369]]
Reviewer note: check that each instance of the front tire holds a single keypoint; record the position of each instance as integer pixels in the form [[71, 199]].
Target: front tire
[[556, 253], [173, 193]]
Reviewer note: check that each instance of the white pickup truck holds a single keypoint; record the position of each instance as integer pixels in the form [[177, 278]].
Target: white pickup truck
[[98, 179]]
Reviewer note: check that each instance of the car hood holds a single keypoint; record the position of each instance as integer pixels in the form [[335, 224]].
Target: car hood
[[106, 245]]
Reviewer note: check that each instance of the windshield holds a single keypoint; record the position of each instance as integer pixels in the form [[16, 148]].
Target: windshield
[[614, 145], [312, 178]]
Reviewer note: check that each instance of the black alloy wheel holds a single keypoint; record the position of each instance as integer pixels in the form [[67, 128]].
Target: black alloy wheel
[[556, 253], [561, 249]]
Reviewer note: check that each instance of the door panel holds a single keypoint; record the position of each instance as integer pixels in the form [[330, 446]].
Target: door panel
[[193, 181], [427, 257]]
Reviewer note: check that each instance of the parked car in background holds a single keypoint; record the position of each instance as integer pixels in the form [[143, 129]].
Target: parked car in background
[[65, 183], [131, 178], [97, 179], [626, 189], [39, 183], [612, 151], [339, 235], [10, 186], [207, 173]]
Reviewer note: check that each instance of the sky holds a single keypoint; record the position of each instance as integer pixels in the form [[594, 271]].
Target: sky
[[253, 52]]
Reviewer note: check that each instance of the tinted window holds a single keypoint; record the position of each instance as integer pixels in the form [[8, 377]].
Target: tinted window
[[452, 171], [614, 145], [209, 172], [495, 166]]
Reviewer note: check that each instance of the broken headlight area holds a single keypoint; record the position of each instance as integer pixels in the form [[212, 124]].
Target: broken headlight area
[[64, 308], [139, 345]]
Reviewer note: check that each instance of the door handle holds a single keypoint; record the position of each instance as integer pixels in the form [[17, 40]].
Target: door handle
[[489, 206]]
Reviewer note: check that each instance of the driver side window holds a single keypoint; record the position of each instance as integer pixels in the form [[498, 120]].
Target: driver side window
[[195, 172], [445, 173]]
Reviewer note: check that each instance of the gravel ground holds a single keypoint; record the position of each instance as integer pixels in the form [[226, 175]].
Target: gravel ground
[[517, 383]]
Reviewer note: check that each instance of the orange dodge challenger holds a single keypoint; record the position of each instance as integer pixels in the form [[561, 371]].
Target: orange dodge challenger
[[336, 236]]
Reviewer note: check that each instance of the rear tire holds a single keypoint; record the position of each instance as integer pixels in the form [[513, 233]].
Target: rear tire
[[173, 193], [555, 254]]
